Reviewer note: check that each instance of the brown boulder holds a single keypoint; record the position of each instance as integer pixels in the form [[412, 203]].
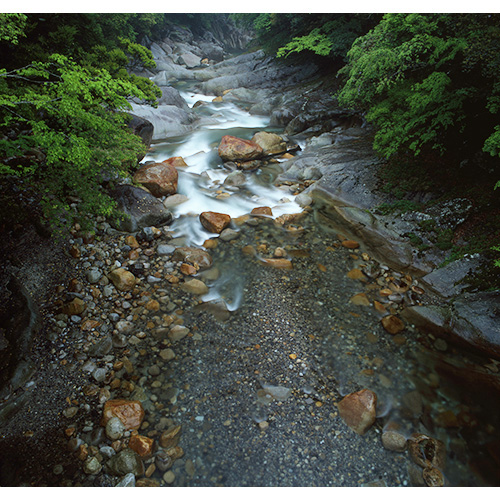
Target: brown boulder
[[358, 410], [142, 445], [193, 256], [175, 161], [214, 221], [122, 279], [159, 178], [262, 211], [131, 413], [234, 149]]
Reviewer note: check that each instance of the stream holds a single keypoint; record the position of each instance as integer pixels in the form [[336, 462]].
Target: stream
[[251, 374], [256, 388]]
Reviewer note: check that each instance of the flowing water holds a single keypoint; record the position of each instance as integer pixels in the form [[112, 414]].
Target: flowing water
[[273, 351]]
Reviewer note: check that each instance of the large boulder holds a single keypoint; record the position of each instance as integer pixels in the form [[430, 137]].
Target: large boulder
[[189, 60], [159, 178], [171, 97], [212, 51], [270, 143], [142, 128], [168, 120], [141, 209], [235, 149], [472, 320]]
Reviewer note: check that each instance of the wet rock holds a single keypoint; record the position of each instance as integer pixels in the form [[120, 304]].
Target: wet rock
[[229, 234], [127, 481], [214, 222], [92, 466], [188, 269], [124, 326], [392, 438], [262, 211], [235, 179], [171, 437], [142, 445], [122, 279], [195, 286], [175, 200], [351, 244], [142, 128], [433, 477], [360, 300], [234, 149], [270, 143], [141, 209], [193, 256], [115, 428], [392, 324], [357, 274], [277, 392], [278, 263], [76, 306], [131, 413], [167, 354], [159, 178], [93, 275], [169, 477], [125, 462], [163, 461], [472, 320], [102, 347], [426, 451], [147, 482], [177, 333], [303, 200], [165, 249], [358, 410]]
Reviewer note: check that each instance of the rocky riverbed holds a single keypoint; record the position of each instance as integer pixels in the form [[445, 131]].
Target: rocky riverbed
[[275, 352]]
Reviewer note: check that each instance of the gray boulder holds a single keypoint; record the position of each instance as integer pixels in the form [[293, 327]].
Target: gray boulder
[[142, 208], [189, 60], [172, 97], [167, 120], [143, 128]]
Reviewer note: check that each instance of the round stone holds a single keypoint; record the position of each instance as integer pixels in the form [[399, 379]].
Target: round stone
[[114, 428]]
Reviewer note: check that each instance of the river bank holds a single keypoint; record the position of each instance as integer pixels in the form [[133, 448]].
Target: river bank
[[255, 386]]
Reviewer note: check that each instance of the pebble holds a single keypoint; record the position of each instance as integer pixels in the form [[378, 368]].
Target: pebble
[[92, 466], [127, 481], [177, 333], [115, 428], [169, 477], [167, 354], [165, 249], [93, 275]]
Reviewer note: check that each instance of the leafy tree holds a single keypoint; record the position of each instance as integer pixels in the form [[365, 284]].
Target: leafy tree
[[428, 81], [63, 126]]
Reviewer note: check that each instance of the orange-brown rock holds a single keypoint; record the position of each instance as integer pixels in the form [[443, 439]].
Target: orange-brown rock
[[214, 221], [153, 305], [392, 324], [380, 308], [131, 413], [210, 243], [171, 437], [122, 279], [356, 274], [146, 482], [262, 211], [75, 252], [195, 256], [360, 300], [358, 410], [234, 149], [427, 451], [188, 269], [351, 244], [278, 263], [76, 306], [142, 445], [131, 241], [217, 99], [159, 178]]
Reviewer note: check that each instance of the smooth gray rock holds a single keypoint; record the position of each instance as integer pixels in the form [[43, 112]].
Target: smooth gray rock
[[127, 481], [125, 462]]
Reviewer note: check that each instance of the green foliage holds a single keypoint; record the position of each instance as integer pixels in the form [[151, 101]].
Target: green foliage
[[428, 81], [64, 130], [12, 27]]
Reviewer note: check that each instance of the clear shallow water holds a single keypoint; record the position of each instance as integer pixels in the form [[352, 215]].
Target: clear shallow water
[[418, 386]]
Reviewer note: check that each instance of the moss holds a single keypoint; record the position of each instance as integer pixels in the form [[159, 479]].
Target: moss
[[398, 206]]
